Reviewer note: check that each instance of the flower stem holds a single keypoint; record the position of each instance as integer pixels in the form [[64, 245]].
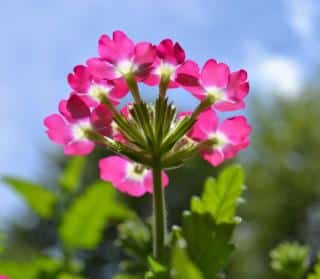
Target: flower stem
[[159, 213]]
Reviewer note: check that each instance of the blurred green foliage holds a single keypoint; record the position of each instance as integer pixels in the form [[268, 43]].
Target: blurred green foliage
[[290, 260]]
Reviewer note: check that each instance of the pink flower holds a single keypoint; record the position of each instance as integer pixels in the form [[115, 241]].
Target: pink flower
[[128, 177], [94, 90], [215, 79], [71, 126], [169, 57], [4, 277], [120, 57], [228, 137]]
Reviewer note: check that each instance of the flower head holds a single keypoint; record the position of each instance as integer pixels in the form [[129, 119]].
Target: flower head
[[120, 58], [149, 137], [222, 141], [215, 80], [94, 90], [128, 177], [71, 128]]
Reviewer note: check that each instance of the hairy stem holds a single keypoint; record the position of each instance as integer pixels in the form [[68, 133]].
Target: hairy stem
[[159, 213]]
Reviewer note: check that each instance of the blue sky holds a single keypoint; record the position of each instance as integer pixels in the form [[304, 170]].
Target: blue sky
[[41, 41]]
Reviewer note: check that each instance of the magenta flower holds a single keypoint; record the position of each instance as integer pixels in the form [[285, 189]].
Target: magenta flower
[[169, 57], [223, 140], [128, 177], [215, 79], [94, 90], [120, 58], [4, 277], [70, 128], [152, 134]]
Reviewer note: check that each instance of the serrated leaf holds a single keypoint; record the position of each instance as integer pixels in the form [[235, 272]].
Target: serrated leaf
[[208, 243], [220, 197], [71, 176], [84, 222], [36, 196], [182, 266]]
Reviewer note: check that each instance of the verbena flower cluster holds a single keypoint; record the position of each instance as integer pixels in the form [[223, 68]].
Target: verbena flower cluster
[[140, 133]]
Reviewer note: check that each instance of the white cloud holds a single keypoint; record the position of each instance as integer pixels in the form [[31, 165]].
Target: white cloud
[[273, 72], [281, 74]]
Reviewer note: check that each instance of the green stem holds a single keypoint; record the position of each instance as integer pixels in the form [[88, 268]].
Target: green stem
[[133, 86], [159, 213]]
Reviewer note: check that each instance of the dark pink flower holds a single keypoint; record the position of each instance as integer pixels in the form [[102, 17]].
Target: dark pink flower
[[128, 177], [215, 79], [228, 137], [94, 90], [4, 277], [71, 126], [120, 57], [169, 57]]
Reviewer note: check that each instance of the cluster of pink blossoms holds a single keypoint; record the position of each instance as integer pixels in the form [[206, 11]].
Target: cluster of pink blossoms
[[138, 131]]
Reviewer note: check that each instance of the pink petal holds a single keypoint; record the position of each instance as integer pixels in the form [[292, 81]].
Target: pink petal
[[187, 75], [148, 181], [169, 52], [124, 45], [179, 53], [229, 105], [80, 80], [165, 49], [144, 53], [101, 119], [236, 129], [238, 87], [107, 49], [58, 131], [119, 90], [113, 169], [132, 187], [79, 148], [77, 107], [206, 124], [101, 69], [214, 157], [215, 74]]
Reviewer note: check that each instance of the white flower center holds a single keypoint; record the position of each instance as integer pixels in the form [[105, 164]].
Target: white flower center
[[220, 140], [136, 172], [98, 92], [126, 67], [165, 69], [79, 130], [217, 93]]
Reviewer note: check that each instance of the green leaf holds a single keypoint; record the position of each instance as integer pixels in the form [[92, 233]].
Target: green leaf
[[84, 222], [157, 270], [221, 196], [182, 266], [71, 176], [68, 276], [126, 276], [37, 197], [316, 272], [290, 259], [37, 268], [208, 243]]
